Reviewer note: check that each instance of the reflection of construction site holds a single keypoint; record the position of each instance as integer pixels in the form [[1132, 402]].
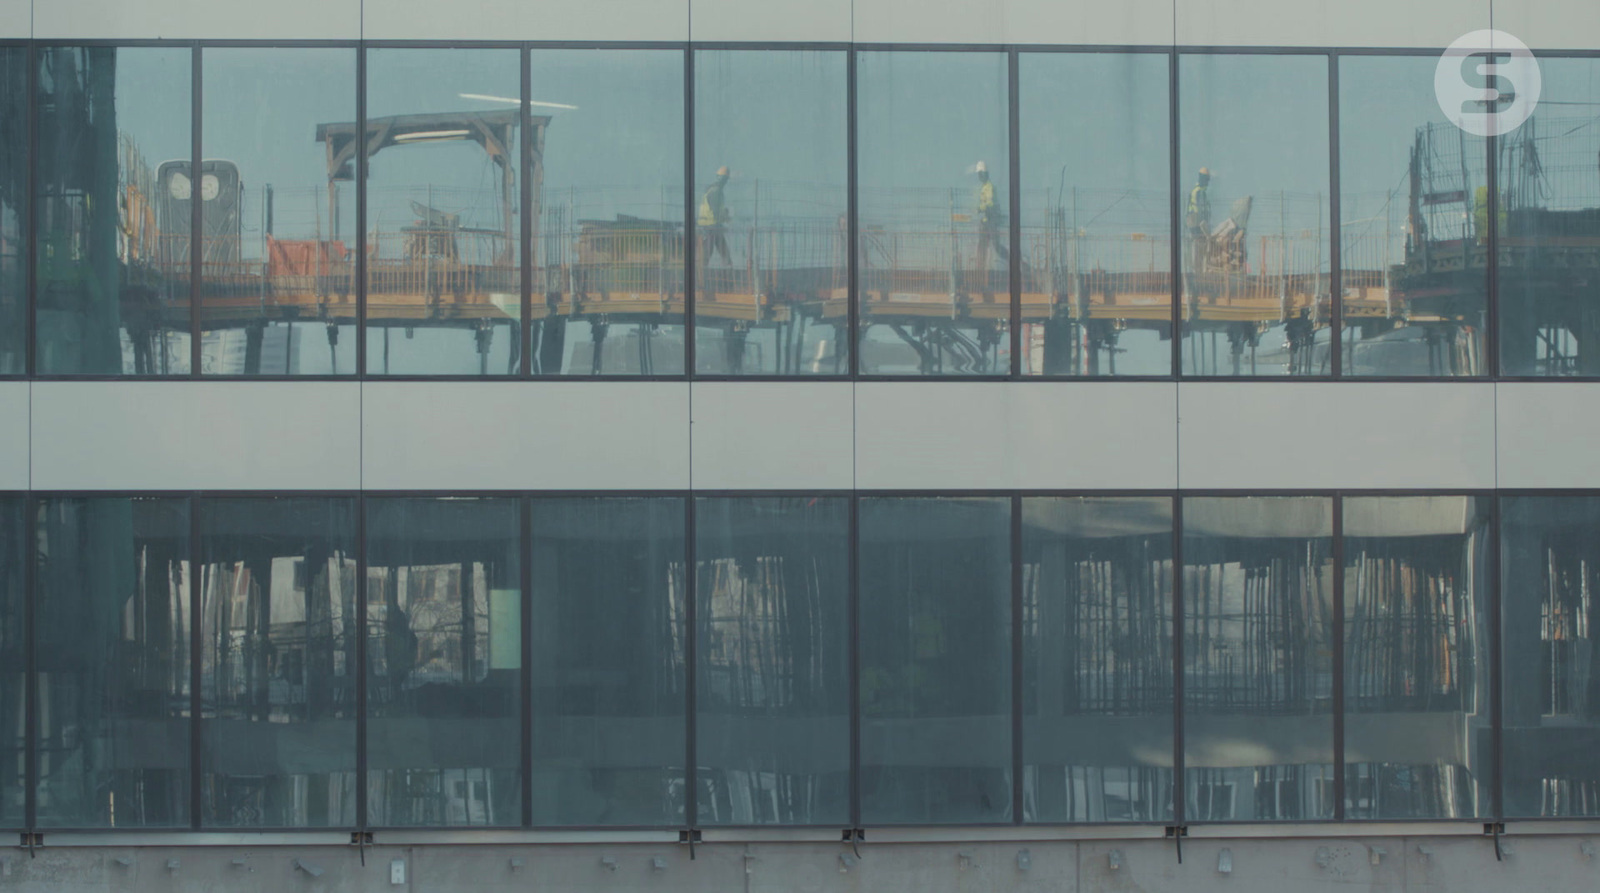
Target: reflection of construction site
[[607, 267]]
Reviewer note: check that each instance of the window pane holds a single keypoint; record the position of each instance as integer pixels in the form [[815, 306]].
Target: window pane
[[1258, 658], [13, 658], [1097, 659], [278, 293], [608, 191], [1412, 190], [277, 612], [113, 210], [444, 269], [773, 289], [773, 730], [935, 660], [610, 696], [444, 641], [1550, 226], [1253, 142], [13, 209], [934, 247], [1416, 731], [1096, 214], [112, 615], [1551, 567]]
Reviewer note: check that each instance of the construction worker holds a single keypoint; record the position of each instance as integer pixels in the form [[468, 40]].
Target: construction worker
[[989, 221], [712, 218], [1197, 218]]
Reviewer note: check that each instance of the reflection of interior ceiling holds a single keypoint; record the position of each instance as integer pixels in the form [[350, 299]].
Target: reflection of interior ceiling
[[1090, 517]]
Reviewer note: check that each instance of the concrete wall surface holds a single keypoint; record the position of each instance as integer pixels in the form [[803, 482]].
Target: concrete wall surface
[[1465, 864]]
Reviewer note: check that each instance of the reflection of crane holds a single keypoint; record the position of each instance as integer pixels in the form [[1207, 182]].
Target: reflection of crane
[[495, 131]]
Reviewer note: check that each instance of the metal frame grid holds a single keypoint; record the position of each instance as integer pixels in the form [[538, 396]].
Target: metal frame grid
[[852, 52], [1177, 826]]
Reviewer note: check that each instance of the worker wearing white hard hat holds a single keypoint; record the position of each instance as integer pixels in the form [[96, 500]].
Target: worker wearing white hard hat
[[990, 220]]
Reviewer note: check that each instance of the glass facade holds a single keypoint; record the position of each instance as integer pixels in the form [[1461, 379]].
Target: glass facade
[[111, 212], [1417, 730], [772, 721], [1096, 214], [1097, 720], [13, 210], [935, 652], [934, 234], [278, 662], [278, 227], [444, 269], [443, 651], [772, 212], [112, 605], [546, 660], [609, 615], [607, 177], [1253, 164], [1413, 229], [1548, 225], [1549, 678], [1258, 658], [842, 212]]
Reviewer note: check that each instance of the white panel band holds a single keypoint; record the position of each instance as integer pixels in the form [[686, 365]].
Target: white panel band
[[525, 435], [1002, 435], [1354, 435], [182, 435]]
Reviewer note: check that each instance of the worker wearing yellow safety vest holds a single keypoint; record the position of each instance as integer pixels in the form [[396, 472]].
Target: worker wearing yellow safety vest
[[990, 220], [712, 219], [1197, 217]]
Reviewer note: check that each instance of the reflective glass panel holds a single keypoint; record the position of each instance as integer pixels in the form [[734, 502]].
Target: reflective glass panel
[[444, 657], [608, 204], [1550, 564], [278, 664], [277, 287], [1096, 214], [444, 268], [1413, 222], [773, 723], [935, 631], [111, 617], [113, 210], [610, 697], [13, 209], [1258, 658], [1416, 729], [1253, 166], [13, 659], [1097, 659], [772, 289], [934, 189], [1549, 243]]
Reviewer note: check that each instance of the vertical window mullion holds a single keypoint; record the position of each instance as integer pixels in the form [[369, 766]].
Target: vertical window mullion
[[1339, 780], [196, 214], [361, 290], [1014, 199], [1176, 236], [1335, 251], [689, 252], [1018, 814], [360, 675], [1178, 817], [196, 642], [525, 240]]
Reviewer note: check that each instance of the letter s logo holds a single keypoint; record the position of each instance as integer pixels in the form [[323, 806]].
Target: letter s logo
[[1487, 83]]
